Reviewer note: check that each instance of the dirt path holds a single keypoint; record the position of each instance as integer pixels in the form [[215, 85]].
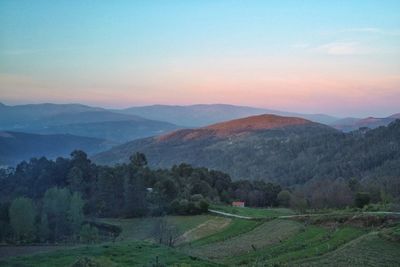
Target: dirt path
[[209, 227], [231, 215], [298, 215]]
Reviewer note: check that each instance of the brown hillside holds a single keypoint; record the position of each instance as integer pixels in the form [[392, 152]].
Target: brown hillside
[[235, 127]]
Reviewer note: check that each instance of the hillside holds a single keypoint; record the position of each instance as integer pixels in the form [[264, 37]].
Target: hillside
[[238, 147], [203, 114], [79, 120], [351, 124], [17, 146], [285, 150]]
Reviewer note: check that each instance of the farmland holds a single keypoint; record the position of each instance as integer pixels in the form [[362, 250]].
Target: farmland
[[209, 240]]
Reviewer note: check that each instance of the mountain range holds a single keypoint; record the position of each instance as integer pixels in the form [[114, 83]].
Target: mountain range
[[351, 124], [203, 114], [79, 120], [135, 128]]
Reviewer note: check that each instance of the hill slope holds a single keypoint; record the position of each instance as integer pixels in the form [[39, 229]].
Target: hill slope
[[17, 146], [268, 147], [240, 147]]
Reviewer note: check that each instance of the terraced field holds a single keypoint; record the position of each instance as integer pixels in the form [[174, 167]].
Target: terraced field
[[209, 227], [235, 228], [310, 242], [209, 240], [368, 250], [268, 233]]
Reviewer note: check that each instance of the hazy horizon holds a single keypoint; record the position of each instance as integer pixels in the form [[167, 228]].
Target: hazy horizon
[[193, 104]]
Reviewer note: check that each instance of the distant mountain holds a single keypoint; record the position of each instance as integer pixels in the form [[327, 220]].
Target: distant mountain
[[117, 131], [201, 115], [273, 148], [79, 120], [21, 116], [17, 146], [351, 124]]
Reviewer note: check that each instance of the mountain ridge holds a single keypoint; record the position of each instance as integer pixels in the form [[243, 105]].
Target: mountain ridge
[[200, 115], [18, 146]]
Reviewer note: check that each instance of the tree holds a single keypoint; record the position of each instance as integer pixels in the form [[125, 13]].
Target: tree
[[56, 204], [362, 199], [284, 198], [75, 213], [165, 232], [44, 230], [138, 160], [22, 218]]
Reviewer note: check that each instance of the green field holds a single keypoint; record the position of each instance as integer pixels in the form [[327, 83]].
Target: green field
[[268, 233], [132, 253], [368, 250], [310, 242], [141, 228], [235, 228], [209, 240]]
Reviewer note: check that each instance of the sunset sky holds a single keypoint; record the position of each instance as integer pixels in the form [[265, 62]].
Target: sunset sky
[[335, 57]]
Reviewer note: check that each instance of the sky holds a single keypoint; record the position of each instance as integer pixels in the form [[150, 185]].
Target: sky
[[336, 57]]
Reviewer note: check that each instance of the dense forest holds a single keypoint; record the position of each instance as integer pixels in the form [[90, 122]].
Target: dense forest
[[51, 201], [288, 155]]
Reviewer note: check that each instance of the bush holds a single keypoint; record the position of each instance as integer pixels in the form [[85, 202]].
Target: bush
[[362, 199], [89, 234], [90, 262]]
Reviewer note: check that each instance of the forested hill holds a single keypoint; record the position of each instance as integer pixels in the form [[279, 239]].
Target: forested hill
[[288, 153]]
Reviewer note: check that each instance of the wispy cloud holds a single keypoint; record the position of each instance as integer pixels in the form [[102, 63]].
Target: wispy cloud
[[373, 30], [343, 48], [336, 48]]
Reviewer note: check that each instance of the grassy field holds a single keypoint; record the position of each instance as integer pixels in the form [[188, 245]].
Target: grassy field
[[141, 228], [268, 233], [209, 240], [310, 242], [132, 253], [253, 212], [210, 227], [235, 228], [368, 250]]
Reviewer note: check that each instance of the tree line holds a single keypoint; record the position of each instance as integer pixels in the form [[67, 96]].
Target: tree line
[[48, 200]]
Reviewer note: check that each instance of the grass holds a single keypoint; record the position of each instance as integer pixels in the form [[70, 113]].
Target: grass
[[254, 212], [368, 250], [236, 227], [311, 242], [132, 253], [141, 228], [237, 242], [208, 228], [268, 233]]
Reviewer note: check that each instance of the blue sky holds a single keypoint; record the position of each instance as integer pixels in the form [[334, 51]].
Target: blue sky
[[338, 57]]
